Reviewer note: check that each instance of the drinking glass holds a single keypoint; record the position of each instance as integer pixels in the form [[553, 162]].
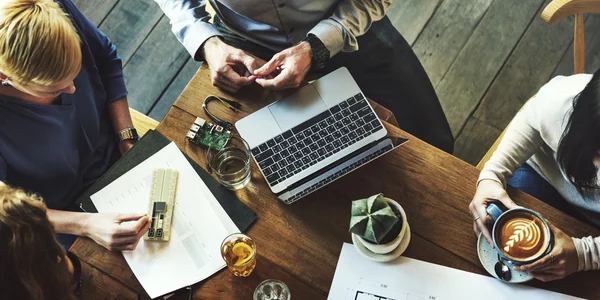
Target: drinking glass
[[272, 289], [231, 164], [239, 252]]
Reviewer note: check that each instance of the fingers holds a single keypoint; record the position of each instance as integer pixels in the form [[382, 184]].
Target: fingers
[[288, 78], [236, 79], [228, 79], [131, 246], [242, 57], [270, 66], [486, 233], [227, 86], [555, 230], [543, 276], [131, 228], [509, 203], [538, 265], [143, 231], [276, 83], [129, 217], [129, 242], [249, 62], [123, 241], [501, 195], [479, 221]]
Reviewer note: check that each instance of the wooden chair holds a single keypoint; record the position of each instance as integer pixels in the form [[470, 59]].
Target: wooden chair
[[553, 12], [141, 122]]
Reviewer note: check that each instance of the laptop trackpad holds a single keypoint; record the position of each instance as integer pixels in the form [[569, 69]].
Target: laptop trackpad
[[297, 108]]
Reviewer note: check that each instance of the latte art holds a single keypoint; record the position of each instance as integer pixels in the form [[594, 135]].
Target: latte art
[[522, 237]]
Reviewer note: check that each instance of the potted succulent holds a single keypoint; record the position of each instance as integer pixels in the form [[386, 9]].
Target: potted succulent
[[378, 223]]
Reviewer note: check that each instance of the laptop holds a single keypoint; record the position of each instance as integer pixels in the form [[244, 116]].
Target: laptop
[[310, 138]]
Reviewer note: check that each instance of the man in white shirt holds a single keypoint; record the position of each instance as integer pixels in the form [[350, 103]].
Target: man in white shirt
[[299, 36]]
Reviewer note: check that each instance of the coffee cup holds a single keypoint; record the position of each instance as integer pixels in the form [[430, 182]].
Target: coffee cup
[[520, 235]]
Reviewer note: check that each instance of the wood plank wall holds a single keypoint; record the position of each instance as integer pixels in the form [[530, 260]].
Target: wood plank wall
[[485, 58]]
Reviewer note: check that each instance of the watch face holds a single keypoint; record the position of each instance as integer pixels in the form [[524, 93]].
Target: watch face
[[128, 134]]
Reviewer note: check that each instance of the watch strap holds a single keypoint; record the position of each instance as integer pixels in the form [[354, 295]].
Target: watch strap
[[319, 53]]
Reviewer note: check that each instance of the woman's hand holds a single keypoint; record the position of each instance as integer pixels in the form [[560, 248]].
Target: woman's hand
[[561, 262], [488, 191], [115, 231]]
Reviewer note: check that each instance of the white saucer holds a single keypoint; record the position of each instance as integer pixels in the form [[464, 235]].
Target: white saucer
[[488, 258], [368, 254]]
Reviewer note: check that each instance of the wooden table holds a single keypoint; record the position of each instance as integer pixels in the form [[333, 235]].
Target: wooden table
[[300, 243]]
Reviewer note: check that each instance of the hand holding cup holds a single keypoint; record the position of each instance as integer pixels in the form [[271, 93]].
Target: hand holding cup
[[561, 262], [488, 191]]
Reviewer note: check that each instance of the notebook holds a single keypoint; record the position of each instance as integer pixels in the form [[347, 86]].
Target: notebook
[[149, 144]]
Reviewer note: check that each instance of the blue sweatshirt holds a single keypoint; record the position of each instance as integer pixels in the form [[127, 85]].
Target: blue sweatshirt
[[59, 150]]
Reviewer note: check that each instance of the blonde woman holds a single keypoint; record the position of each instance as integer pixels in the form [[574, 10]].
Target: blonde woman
[[33, 265], [64, 117]]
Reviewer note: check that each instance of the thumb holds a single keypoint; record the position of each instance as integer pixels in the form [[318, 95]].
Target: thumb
[[509, 203], [269, 67], [129, 217], [250, 63]]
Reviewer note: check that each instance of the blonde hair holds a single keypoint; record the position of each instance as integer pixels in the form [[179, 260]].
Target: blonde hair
[[38, 42], [29, 251]]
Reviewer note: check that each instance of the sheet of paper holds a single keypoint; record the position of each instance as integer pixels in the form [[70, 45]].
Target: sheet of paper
[[199, 225], [357, 278]]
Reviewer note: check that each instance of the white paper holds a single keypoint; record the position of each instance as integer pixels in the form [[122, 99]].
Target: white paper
[[405, 278], [199, 225]]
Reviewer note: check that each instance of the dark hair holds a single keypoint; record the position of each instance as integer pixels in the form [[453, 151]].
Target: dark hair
[[580, 141]]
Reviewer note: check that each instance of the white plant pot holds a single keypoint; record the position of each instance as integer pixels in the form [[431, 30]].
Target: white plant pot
[[391, 246]]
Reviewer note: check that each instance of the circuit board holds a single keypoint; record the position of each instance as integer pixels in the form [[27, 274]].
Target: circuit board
[[207, 134], [161, 204]]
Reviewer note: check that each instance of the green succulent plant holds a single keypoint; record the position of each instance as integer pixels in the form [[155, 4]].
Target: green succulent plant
[[372, 218]]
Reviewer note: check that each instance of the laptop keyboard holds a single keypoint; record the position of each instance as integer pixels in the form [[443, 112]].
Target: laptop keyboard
[[316, 139], [337, 175]]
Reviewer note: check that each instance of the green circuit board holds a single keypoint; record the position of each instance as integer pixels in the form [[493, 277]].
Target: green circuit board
[[207, 134]]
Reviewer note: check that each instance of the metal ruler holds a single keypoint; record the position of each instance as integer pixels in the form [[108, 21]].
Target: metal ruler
[[161, 204]]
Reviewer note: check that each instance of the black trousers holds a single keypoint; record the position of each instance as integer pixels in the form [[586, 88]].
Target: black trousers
[[388, 72]]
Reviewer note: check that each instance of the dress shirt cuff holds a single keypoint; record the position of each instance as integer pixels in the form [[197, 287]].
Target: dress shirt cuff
[[331, 33], [199, 32], [588, 253]]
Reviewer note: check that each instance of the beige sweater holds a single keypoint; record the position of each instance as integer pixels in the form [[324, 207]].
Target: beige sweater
[[533, 137]]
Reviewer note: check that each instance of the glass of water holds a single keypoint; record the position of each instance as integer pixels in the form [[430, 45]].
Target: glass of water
[[272, 289], [232, 163]]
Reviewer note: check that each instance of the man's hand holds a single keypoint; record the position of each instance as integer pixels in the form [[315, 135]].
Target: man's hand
[[292, 63], [115, 231], [230, 68]]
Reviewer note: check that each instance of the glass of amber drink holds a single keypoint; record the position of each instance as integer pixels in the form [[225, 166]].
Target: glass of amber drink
[[239, 252]]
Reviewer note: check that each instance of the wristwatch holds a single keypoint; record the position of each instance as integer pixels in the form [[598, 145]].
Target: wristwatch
[[128, 134], [319, 53]]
